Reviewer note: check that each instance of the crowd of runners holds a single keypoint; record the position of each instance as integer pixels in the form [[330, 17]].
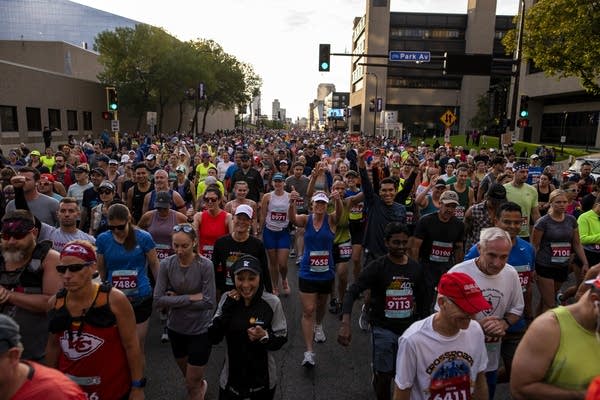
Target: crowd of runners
[[443, 248]]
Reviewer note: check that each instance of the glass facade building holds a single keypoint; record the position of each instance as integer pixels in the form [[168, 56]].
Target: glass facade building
[[56, 20]]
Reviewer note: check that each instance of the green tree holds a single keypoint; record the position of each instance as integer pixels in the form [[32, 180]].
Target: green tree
[[562, 37]]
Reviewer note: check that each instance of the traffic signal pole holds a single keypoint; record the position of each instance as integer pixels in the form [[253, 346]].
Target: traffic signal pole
[[517, 71]]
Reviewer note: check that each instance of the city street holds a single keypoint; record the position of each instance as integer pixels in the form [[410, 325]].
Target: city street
[[340, 373]]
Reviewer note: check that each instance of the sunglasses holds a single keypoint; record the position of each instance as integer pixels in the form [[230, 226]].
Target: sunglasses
[[44, 183], [187, 228], [211, 199], [72, 268], [105, 191], [17, 236], [117, 227]]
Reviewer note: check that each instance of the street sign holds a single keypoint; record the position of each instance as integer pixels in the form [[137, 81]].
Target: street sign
[[448, 118], [563, 139], [411, 56], [114, 124], [151, 118], [379, 106]]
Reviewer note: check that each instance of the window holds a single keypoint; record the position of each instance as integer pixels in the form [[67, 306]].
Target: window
[[8, 119], [34, 119], [72, 120], [54, 118], [87, 120]]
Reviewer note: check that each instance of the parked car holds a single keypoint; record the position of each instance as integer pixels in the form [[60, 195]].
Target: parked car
[[575, 167]]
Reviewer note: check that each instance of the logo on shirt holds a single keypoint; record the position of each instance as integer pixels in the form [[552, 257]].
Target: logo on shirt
[[80, 346]]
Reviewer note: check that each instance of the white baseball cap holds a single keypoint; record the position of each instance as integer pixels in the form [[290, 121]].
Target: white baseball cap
[[244, 209], [320, 197]]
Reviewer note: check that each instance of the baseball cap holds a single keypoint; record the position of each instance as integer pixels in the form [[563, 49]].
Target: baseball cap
[[246, 263], [440, 182], [48, 177], [125, 159], [320, 197], [534, 156], [452, 161], [244, 209], [180, 168], [82, 168], [351, 173], [283, 162], [463, 291], [163, 200], [102, 157], [496, 192], [519, 166], [278, 176], [35, 153], [113, 162], [150, 157], [107, 185], [449, 197], [9, 333], [98, 171]]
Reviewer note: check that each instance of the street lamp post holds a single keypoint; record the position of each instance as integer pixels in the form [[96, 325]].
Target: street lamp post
[[375, 103]]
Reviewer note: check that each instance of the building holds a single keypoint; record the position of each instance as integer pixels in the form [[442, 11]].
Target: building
[[421, 93], [278, 113], [317, 109], [49, 75], [557, 108]]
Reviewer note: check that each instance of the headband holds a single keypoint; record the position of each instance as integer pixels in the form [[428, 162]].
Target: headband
[[79, 250]]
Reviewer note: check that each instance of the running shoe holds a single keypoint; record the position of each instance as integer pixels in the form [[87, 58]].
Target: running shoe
[[298, 260], [363, 320], [285, 287], [292, 253], [319, 334], [334, 306], [164, 338], [309, 359]]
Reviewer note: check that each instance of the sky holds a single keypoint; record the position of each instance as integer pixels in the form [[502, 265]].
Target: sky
[[280, 38]]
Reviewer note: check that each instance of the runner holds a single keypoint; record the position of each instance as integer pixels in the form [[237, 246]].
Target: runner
[[211, 223], [241, 191], [186, 287], [397, 300], [443, 356], [276, 234], [93, 326], [317, 269]]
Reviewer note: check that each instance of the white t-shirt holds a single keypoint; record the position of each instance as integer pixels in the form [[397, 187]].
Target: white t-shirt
[[222, 169], [438, 367], [503, 291]]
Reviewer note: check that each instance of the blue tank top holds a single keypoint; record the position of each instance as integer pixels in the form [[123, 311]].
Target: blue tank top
[[317, 259]]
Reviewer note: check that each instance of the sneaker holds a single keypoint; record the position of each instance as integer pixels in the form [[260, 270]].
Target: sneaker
[[285, 287], [292, 253], [334, 306], [363, 320], [298, 260], [309, 359], [164, 338], [319, 334]]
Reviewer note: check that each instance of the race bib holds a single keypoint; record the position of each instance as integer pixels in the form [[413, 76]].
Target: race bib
[[459, 212], [451, 380], [207, 251], [440, 251], [278, 216], [318, 261], [524, 276], [300, 203], [164, 252], [345, 250], [492, 344], [398, 303], [410, 218], [126, 280], [561, 252]]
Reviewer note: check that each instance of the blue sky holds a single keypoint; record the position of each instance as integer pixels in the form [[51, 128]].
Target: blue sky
[[280, 38]]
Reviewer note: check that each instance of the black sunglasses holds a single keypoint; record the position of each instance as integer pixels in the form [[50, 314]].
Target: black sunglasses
[[187, 228], [211, 199], [105, 191], [117, 227], [72, 268]]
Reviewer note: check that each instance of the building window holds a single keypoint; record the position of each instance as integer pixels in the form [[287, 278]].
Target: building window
[[8, 119], [420, 33], [34, 119], [72, 120], [87, 120], [423, 83], [54, 118]]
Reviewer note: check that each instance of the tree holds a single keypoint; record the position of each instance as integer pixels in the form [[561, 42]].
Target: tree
[[562, 37]]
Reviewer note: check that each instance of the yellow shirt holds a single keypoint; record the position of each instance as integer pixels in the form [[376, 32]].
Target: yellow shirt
[[48, 162]]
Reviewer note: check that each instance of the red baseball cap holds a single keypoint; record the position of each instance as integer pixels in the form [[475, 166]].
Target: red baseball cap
[[48, 177], [463, 291]]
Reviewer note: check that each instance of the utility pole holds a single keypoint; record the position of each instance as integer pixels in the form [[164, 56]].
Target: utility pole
[[517, 58]]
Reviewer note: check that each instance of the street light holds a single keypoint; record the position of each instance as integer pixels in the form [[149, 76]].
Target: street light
[[376, 102]]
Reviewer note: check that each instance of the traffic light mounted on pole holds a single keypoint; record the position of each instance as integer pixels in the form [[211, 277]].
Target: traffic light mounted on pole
[[112, 100], [524, 106], [324, 57]]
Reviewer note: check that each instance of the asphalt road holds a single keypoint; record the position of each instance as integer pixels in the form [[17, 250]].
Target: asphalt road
[[340, 373]]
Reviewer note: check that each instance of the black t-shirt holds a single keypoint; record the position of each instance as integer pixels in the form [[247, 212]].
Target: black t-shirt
[[397, 293], [226, 251], [91, 199], [438, 239], [254, 180]]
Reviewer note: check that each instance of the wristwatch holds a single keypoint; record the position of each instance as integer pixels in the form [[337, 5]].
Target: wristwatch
[[139, 384]]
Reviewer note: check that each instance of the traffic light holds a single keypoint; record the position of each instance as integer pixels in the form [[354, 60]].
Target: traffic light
[[324, 56], [112, 101], [106, 115], [524, 107]]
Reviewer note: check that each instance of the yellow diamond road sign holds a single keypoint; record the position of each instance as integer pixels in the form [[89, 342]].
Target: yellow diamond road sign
[[448, 118]]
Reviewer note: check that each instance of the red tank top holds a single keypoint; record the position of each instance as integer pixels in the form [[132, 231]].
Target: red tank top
[[93, 355], [209, 231]]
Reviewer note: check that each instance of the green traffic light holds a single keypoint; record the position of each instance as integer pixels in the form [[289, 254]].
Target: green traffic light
[[324, 66], [524, 113], [113, 106]]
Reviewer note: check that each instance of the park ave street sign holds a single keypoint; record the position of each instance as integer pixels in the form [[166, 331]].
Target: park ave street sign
[[412, 56]]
